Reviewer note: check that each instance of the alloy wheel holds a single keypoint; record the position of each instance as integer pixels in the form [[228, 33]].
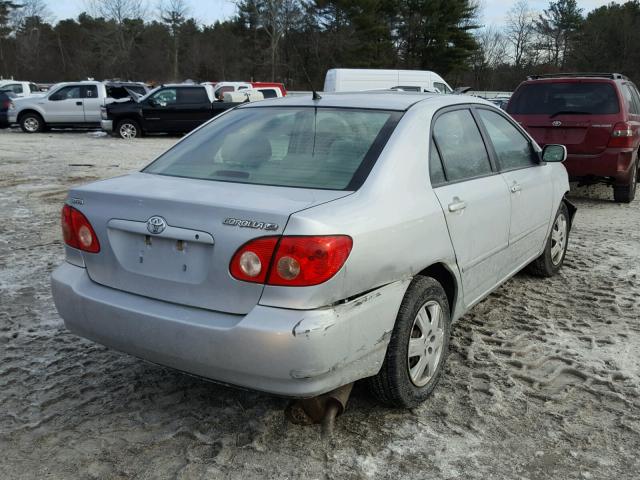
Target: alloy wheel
[[558, 239], [31, 124], [426, 343], [128, 130]]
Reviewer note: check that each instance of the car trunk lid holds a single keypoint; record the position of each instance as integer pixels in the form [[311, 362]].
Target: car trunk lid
[[199, 224]]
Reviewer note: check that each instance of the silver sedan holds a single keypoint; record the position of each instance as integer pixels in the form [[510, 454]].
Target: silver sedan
[[299, 244]]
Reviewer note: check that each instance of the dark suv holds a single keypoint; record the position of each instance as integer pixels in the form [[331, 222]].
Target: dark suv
[[595, 115]]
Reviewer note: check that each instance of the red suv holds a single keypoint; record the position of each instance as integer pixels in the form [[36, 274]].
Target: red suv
[[595, 115]]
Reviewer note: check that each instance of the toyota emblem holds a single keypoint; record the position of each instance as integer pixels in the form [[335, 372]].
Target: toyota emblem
[[156, 225], [557, 123]]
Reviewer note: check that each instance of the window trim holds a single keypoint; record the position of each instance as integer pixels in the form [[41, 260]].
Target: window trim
[[435, 184], [534, 153], [452, 108]]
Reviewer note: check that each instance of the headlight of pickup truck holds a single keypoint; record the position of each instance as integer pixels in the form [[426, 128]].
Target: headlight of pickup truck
[[103, 113], [12, 106]]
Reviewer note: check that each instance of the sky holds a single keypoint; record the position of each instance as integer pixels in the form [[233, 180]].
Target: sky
[[208, 11]]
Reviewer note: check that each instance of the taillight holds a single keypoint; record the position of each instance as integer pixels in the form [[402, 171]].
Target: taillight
[[77, 231], [622, 136], [251, 262], [291, 260]]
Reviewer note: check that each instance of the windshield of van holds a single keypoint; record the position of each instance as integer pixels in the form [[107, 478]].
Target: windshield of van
[[325, 148], [565, 98]]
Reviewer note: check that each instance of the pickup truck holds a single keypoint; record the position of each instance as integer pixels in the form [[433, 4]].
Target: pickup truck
[[175, 108], [69, 104], [19, 88]]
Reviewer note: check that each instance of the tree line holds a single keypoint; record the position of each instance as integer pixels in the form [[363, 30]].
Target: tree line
[[296, 41]]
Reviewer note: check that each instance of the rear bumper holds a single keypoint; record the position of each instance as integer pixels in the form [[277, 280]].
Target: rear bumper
[[107, 125], [299, 353], [4, 120], [613, 163]]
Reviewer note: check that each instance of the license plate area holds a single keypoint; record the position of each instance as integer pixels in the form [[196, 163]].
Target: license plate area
[[183, 260]]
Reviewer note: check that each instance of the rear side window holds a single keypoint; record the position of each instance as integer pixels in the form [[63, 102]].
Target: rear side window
[[192, 95], [587, 98], [463, 152], [326, 148], [512, 148]]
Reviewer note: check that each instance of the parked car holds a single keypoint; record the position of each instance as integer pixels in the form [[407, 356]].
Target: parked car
[[360, 79], [597, 117], [19, 88], [297, 245], [5, 102], [176, 108], [268, 89], [68, 104]]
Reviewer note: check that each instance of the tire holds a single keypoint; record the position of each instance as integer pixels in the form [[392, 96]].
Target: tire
[[32, 123], [626, 193], [399, 383], [551, 260], [128, 129]]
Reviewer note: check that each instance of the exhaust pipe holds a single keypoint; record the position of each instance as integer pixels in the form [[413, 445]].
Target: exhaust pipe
[[322, 409]]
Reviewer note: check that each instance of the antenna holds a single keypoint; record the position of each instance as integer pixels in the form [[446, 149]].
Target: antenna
[[315, 96]]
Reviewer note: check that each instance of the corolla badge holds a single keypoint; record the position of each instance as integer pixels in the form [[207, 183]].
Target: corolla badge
[[556, 123], [156, 225], [239, 222]]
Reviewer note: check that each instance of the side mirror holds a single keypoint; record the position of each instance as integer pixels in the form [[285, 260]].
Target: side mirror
[[153, 102], [554, 153]]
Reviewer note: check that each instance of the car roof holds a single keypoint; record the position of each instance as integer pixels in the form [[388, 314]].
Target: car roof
[[373, 99]]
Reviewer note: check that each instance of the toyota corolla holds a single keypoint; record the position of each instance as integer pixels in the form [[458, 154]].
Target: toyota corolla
[[297, 245]]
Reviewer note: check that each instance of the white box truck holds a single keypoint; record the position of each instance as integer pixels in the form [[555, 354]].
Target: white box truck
[[356, 79]]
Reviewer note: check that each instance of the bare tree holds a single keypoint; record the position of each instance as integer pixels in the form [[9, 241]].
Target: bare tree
[[120, 44], [520, 31], [491, 53], [275, 18], [117, 10], [30, 9], [173, 13]]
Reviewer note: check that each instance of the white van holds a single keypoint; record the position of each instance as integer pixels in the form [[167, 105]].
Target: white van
[[355, 79]]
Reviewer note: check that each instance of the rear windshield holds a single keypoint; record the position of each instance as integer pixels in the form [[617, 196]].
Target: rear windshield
[[565, 98], [325, 148]]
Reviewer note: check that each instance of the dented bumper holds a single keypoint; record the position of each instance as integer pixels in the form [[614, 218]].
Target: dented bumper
[[298, 353]]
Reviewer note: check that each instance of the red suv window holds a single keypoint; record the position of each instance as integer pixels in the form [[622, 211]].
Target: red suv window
[[589, 98]]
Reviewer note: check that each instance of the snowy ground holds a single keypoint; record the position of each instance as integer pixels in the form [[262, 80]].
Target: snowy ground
[[543, 381]]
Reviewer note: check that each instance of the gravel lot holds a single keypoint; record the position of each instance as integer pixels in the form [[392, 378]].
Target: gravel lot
[[542, 381]]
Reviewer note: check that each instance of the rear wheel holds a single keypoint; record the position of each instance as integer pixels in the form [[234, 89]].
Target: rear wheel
[[626, 193], [418, 347], [32, 123], [551, 260], [128, 129]]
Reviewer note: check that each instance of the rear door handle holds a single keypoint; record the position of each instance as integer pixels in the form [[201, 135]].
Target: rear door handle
[[515, 188], [457, 205], [78, 103]]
